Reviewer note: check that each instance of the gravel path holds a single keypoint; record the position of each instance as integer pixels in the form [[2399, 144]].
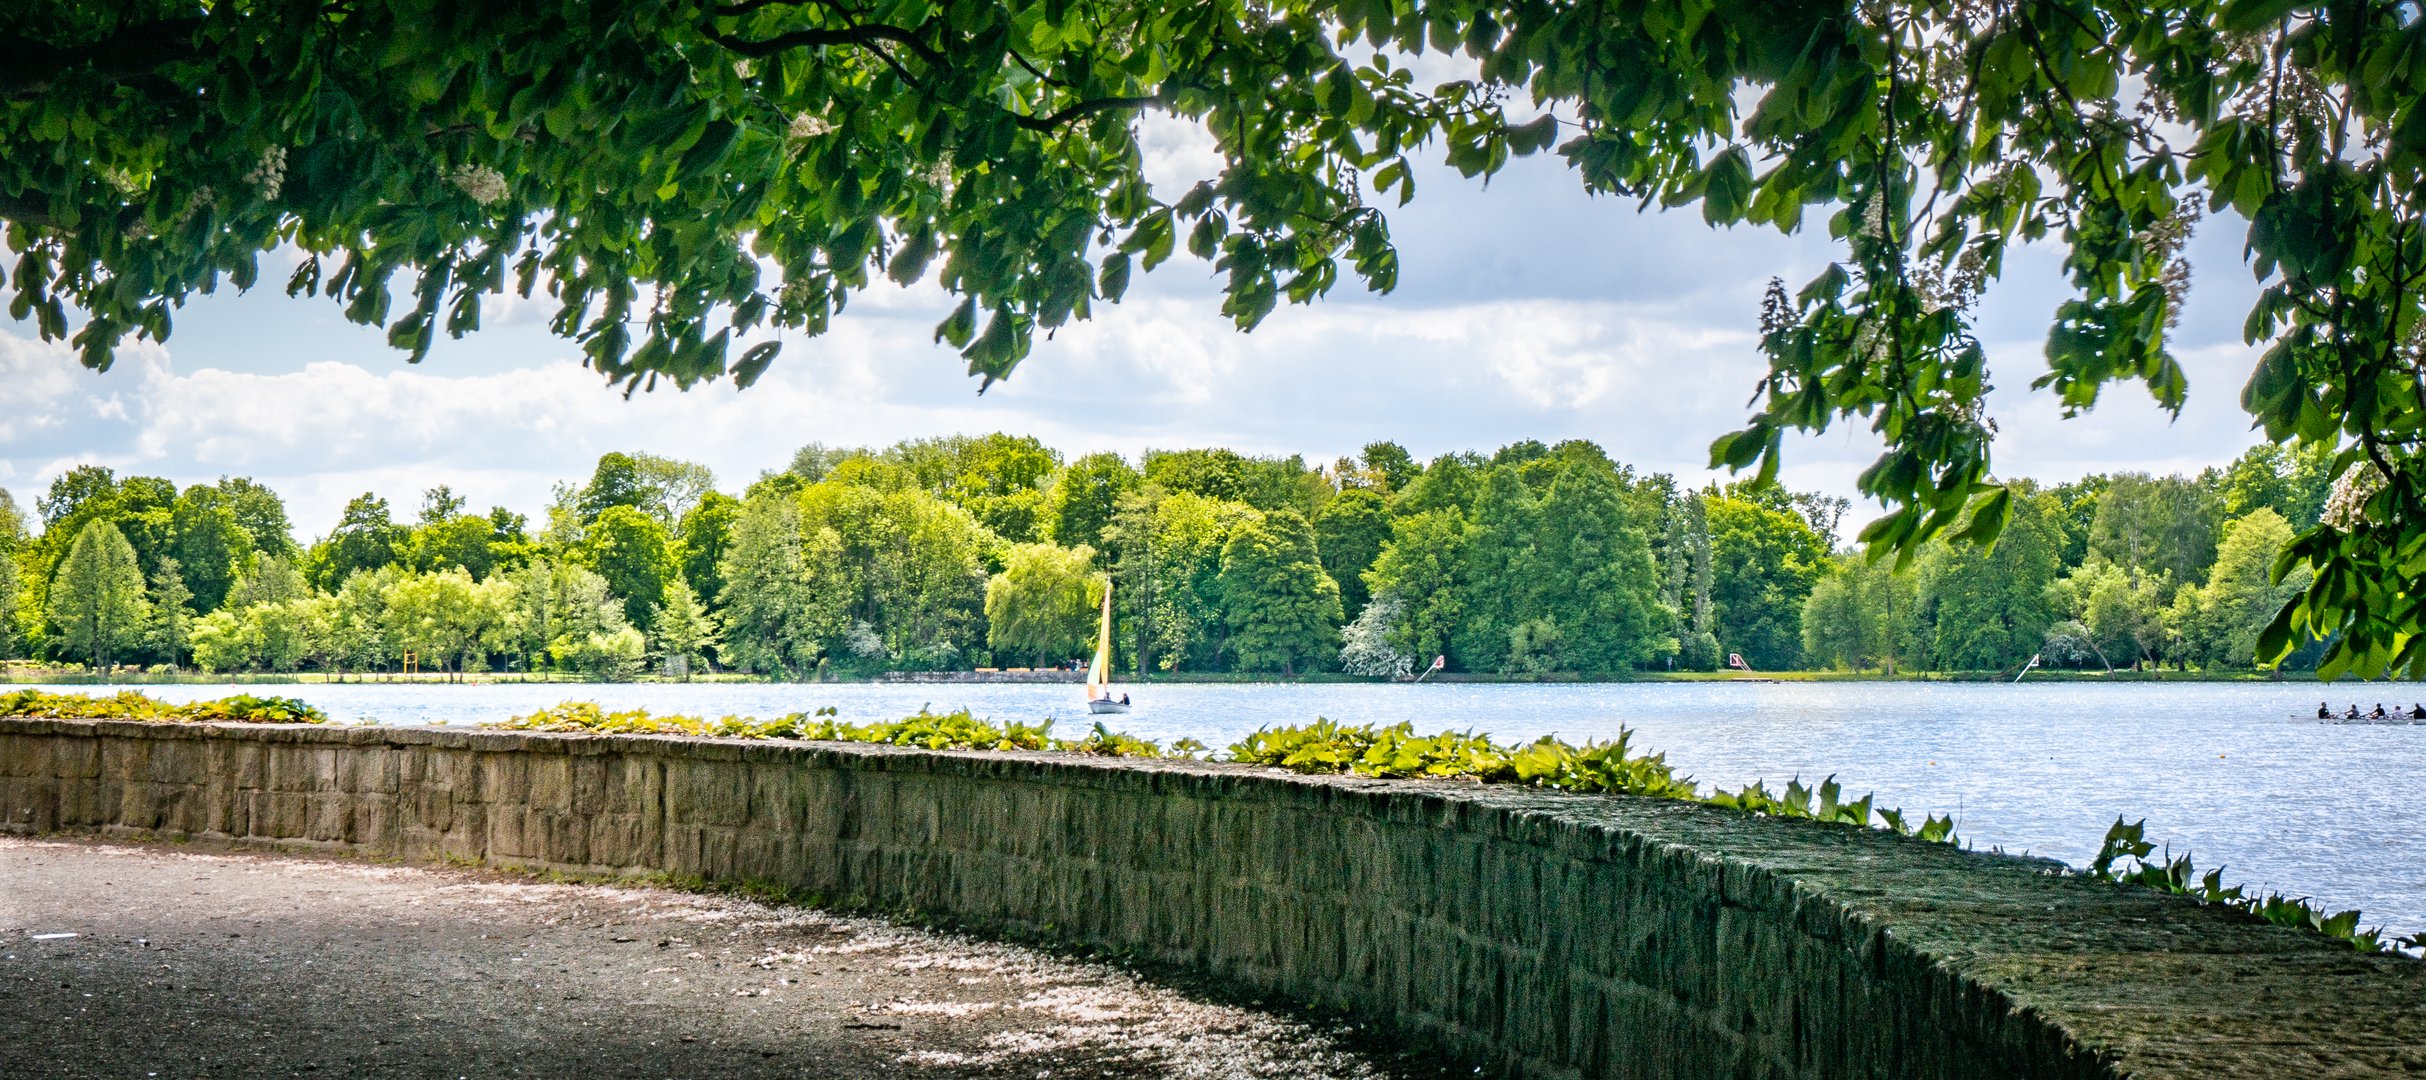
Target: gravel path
[[168, 960]]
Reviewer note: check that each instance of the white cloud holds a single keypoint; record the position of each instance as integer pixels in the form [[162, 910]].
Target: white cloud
[[1530, 311], [1160, 371], [33, 384], [1178, 153], [2127, 429], [1574, 356]]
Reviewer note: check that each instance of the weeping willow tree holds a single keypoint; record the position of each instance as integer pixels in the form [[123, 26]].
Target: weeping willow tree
[[677, 176]]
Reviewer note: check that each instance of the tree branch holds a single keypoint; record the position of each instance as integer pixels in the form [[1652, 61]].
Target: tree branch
[[1087, 108], [26, 211], [747, 7], [863, 36], [131, 50], [1034, 70]]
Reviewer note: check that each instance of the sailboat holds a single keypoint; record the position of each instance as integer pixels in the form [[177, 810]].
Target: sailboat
[[1099, 670]]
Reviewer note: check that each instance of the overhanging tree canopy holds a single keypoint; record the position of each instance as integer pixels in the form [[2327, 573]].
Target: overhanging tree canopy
[[639, 161]]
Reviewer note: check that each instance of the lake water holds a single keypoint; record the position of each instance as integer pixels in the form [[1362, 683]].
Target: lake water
[[2218, 769]]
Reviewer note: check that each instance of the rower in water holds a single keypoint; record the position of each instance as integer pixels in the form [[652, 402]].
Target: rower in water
[[2353, 714], [2417, 712], [2324, 711], [2378, 714]]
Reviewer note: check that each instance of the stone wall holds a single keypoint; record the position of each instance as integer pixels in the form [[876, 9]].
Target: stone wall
[[1537, 933]]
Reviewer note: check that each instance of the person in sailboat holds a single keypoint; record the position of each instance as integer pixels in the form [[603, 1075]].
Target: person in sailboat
[[1124, 697]]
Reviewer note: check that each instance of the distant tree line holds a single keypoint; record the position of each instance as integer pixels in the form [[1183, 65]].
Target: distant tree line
[[949, 553], [2123, 570]]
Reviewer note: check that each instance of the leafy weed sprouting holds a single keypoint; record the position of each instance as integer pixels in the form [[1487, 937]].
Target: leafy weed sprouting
[[1396, 752], [1109, 743], [130, 705], [957, 730], [2123, 860]]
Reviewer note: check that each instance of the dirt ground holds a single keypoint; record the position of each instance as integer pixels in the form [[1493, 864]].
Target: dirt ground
[[161, 960]]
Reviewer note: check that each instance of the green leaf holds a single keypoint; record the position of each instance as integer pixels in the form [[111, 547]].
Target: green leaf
[[910, 262], [1205, 239], [1829, 285], [2277, 640], [1989, 517], [960, 326], [1113, 280], [753, 363], [1198, 200], [2250, 16], [1394, 174], [1735, 450], [715, 142], [1727, 187], [1533, 136]]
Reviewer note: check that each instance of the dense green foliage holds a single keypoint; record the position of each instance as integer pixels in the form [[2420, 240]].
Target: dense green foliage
[[12, 588], [1085, 497], [1281, 608], [632, 552], [683, 629], [1044, 603], [2068, 581], [96, 600], [1396, 752], [364, 539], [1350, 532], [783, 599], [1987, 606], [1535, 561], [602, 152], [130, 705], [1547, 564], [927, 731], [1772, 557]]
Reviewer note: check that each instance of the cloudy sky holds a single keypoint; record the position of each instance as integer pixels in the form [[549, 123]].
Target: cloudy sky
[[1525, 310]]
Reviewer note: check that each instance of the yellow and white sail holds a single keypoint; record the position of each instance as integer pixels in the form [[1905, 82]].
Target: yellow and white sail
[[1099, 671]]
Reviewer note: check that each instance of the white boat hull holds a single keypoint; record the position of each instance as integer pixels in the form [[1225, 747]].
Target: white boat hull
[[1099, 706]]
